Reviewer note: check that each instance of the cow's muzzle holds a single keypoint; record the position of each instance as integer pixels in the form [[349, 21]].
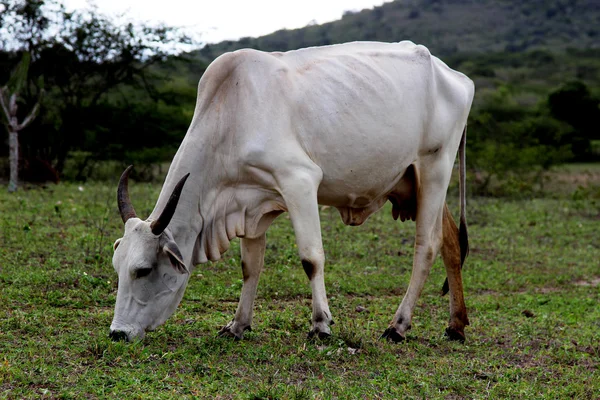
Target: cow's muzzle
[[128, 333], [118, 336]]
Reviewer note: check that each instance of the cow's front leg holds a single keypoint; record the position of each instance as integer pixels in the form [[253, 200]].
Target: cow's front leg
[[299, 192], [253, 252]]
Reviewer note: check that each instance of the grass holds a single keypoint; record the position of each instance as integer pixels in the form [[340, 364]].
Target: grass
[[532, 287]]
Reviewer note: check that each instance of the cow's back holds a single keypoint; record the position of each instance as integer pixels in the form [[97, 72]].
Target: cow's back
[[363, 111]]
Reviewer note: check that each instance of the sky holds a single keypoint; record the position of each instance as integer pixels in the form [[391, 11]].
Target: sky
[[212, 21]]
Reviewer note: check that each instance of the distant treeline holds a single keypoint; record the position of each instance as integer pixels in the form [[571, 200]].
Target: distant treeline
[[108, 89], [447, 27], [109, 93]]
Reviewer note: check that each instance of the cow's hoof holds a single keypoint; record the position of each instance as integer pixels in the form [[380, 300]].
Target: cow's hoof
[[392, 334], [455, 335], [225, 332], [230, 331], [317, 334]]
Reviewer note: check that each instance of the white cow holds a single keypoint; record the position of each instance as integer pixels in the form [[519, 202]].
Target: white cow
[[350, 126]]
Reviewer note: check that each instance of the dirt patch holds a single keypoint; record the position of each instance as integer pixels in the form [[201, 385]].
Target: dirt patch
[[486, 292], [545, 290], [594, 282], [583, 178]]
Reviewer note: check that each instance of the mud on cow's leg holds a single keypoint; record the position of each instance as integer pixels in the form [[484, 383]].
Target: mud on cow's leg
[[253, 251], [451, 254], [299, 190]]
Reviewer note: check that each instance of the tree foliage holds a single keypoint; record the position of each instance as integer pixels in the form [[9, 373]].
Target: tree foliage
[[89, 63], [574, 104]]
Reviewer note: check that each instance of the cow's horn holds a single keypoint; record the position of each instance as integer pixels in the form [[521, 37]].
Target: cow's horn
[[125, 208], [159, 225]]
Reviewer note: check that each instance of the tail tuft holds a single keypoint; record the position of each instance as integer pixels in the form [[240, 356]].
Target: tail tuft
[[463, 239], [445, 288]]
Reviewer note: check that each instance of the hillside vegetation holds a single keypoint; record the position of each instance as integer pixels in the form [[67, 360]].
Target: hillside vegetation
[[448, 27]]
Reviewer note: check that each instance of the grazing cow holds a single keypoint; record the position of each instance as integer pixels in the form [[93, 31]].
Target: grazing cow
[[350, 126]]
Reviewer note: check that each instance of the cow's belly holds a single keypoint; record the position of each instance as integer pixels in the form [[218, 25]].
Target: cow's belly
[[359, 184], [364, 162], [362, 135], [357, 188], [361, 163], [357, 196]]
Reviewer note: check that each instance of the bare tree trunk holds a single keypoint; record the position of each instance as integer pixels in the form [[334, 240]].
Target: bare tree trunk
[[13, 146], [9, 107]]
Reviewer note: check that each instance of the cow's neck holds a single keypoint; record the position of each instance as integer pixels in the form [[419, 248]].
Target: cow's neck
[[186, 224], [216, 204], [207, 216], [233, 211]]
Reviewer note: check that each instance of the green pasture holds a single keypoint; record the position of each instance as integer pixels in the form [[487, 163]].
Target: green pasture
[[532, 283]]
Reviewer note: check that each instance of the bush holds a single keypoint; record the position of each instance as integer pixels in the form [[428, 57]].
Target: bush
[[573, 104], [510, 146]]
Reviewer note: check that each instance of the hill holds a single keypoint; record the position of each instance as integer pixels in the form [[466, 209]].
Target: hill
[[447, 27], [535, 63]]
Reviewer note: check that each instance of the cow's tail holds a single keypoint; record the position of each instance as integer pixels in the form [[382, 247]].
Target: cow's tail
[[463, 234]]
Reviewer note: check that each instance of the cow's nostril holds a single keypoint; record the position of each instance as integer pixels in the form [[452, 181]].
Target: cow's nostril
[[117, 336]]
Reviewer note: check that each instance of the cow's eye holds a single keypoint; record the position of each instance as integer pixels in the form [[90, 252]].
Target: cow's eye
[[142, 272]]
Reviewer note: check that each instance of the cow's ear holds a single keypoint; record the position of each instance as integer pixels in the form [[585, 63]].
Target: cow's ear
[[171, 249], [117, 243]]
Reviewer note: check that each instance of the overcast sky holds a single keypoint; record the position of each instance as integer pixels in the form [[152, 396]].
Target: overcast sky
[[217, 20]]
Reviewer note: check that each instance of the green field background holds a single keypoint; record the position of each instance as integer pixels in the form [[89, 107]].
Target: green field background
[[532, 284]]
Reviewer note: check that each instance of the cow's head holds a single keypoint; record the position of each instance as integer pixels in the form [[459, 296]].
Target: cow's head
[[151, 269]]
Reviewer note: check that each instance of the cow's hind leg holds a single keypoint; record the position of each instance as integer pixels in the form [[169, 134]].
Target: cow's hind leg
[[451, 254], [430, 203], [299, 191], [253, 252]]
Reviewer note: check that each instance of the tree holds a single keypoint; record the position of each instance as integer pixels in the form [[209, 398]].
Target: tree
[[574, 104], [9, 95], [85, 57]]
